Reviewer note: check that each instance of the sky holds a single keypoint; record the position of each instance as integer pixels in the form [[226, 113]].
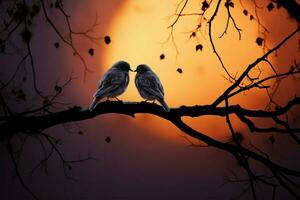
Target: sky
[[147, 158]]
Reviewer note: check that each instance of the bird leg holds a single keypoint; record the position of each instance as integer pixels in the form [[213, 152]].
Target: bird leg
[[117, 99]]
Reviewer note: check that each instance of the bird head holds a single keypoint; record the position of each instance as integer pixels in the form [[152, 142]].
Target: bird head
[[142, 69], [123, 66]]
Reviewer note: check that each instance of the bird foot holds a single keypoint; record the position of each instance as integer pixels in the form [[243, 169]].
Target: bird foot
[[119, 100]]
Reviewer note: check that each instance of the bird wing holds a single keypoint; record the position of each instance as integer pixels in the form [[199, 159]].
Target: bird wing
[[111, 80], [151, 83]]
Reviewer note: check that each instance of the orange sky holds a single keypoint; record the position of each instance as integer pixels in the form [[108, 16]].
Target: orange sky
[[147, 156], [139, 31]]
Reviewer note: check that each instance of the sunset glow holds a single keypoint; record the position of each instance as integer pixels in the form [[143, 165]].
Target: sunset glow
[[140, 34]]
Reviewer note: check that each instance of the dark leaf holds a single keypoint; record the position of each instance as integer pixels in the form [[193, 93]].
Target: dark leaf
[[80, 133], [229, 3], [107, 39], [108, 139], [45, 101], [270, 6], [20, 95], [199, 47], [259, 41], [179, 70], [245, 12], [91, 51], [292, 68], [162, 56], [193, 34], [272, 139], [56, 44], [58, 89], [205, 5]]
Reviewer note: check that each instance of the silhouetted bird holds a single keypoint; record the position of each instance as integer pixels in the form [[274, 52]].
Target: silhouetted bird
[[149, 85], [113, 83]]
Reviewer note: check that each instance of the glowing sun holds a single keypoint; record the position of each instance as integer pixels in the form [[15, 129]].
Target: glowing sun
[[139, 35]]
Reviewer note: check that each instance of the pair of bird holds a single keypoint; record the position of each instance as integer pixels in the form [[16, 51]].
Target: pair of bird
[[116, 79]]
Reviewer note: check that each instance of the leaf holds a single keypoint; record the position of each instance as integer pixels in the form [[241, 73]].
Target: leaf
[[108, 139], [270, 6], [107, 39], [199, 47], [272, 139], [80, 133], [205, 5], [20, 95], [179, 70], [162, 56], [229, 3], [91, 51], [56, 44], [193, 34], [259, 41], [58, 89], [45, 101], [245, 12]]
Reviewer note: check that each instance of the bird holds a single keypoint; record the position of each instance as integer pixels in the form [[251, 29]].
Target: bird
[[113, 83], [149, 85]]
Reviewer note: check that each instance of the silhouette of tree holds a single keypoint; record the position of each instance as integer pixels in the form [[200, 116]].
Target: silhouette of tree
[[16, 24]]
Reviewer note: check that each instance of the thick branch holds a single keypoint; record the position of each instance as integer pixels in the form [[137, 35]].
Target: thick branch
[[21, 123]]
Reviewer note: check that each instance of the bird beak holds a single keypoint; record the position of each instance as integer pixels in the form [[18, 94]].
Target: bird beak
[[131, 70], [134, 71]]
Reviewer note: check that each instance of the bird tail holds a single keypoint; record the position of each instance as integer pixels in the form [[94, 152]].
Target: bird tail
[[93, 104], [164, 105]]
